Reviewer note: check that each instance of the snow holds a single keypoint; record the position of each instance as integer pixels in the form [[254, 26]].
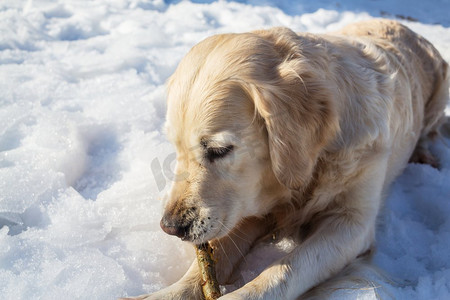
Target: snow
[[84, 160]]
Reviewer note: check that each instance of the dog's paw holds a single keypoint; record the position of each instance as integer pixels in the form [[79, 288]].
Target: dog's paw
[[231, 297], [155, 296], [145, 297], [173, 292]]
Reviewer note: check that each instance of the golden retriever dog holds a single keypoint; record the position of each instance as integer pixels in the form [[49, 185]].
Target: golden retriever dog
[[296, 136]]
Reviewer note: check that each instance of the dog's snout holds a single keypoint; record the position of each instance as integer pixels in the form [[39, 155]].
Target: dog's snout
[[171, 225]]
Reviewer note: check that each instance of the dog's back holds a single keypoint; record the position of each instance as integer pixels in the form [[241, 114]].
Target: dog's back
[[420, 92], [423, 65]]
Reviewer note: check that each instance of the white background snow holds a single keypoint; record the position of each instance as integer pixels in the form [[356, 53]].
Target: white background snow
[[82, 106]]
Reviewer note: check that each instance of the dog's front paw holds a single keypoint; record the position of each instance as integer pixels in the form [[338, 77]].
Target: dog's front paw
[[173, 292], [136, 298], [231, 296], [153, 296]]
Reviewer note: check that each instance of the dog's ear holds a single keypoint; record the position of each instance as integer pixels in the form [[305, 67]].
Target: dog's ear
[[300, 118]]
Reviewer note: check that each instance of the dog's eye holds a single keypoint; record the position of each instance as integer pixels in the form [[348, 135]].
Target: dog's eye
[[215, 153]]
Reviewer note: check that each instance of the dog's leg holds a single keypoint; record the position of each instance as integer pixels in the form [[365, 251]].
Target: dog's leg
[[231, 249], [434, 118], [343, 233]]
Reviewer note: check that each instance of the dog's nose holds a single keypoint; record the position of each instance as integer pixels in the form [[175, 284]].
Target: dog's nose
[[172, 226]]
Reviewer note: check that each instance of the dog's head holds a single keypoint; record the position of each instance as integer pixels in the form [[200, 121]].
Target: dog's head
[[249, 115]]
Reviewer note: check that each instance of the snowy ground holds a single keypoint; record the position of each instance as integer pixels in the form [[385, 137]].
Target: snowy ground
[[81, 145]]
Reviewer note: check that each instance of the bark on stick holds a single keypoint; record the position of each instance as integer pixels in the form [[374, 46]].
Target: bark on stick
[[210, 286]]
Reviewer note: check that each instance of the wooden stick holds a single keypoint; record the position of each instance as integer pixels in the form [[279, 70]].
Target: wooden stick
[[210, 286]]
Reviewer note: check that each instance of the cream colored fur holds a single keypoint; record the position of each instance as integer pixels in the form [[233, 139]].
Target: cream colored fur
[[320, 125]]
